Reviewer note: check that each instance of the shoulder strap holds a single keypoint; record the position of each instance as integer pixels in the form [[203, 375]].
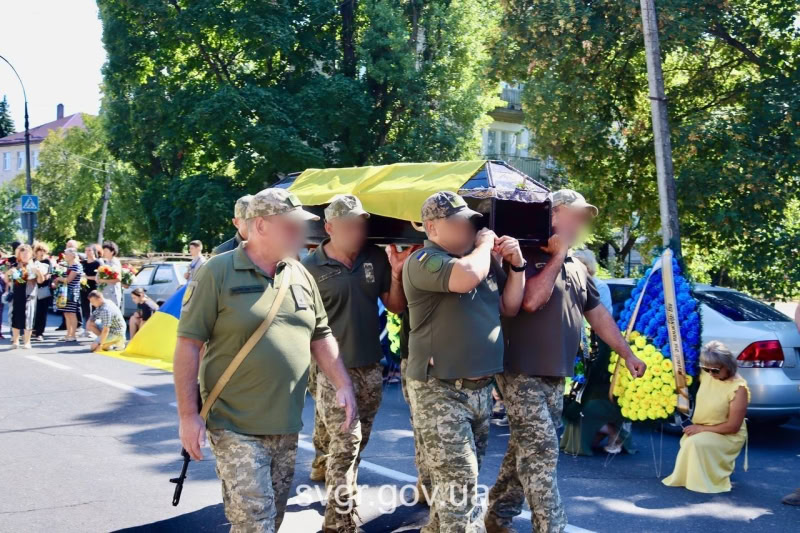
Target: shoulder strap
[[244, 351]]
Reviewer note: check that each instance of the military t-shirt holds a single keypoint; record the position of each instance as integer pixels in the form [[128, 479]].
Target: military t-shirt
[[225, 304], [460, 332], [545, 342], [351, 297]]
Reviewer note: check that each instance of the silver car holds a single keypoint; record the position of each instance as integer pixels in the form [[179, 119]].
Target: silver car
[[160, 280], [765, 341]]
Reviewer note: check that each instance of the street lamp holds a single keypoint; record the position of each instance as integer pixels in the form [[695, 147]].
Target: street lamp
[[28, 187]]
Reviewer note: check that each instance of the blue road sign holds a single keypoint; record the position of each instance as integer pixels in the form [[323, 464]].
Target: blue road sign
[[30, 203]]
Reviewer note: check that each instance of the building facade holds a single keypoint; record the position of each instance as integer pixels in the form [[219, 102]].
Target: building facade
[[12, 147], [506, 138]]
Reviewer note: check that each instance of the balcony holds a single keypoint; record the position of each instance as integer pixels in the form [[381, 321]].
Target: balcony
[[512, 96], [531, 166]]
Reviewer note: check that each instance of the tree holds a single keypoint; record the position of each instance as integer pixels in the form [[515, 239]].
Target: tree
[[9, 213], [70, 181], [213, 99], [6, 122], [731, 71]]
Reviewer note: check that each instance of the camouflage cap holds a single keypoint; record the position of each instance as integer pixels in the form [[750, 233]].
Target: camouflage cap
[[345, 205], [276, 201], [240, 209], [446, 204], [573, 199]]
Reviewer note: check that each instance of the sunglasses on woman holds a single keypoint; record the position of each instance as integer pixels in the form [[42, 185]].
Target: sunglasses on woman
[[714, 371]]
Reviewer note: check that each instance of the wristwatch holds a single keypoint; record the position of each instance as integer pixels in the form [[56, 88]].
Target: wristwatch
[[520, 268]]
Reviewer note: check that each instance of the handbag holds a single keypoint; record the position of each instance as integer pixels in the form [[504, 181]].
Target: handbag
[[43, 292], [61, 297], [244, 351]]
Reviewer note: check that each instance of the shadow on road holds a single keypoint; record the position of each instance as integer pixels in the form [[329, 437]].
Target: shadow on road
[[211, 518]]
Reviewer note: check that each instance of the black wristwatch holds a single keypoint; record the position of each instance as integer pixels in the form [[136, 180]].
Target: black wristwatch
[[520, 268]]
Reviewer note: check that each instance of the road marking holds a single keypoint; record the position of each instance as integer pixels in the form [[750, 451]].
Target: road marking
[[48, 362], [400, 476], [118, 385], [174, 404]]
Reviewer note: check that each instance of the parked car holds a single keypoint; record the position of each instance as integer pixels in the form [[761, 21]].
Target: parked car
[[160, 280], [765, 341]]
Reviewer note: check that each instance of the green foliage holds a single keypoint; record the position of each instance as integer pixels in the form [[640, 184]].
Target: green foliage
[[6, 122], [213, 99], [731, 70], [9, 213], [70, 182]]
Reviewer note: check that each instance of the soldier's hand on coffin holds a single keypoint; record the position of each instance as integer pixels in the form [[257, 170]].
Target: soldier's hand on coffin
[[556, 245], [485, 236], [398, 258], [509, 250]]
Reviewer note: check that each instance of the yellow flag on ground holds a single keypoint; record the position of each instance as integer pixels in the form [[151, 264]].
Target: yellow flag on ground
[[396, 191]]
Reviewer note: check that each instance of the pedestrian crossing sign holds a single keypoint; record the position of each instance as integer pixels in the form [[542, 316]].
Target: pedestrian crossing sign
[[30, 203]]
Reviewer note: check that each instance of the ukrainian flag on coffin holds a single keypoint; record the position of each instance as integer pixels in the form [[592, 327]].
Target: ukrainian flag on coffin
[[154, 344]]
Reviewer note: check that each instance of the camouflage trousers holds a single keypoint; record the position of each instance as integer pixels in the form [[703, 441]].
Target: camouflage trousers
[[319, 437], [256, 473], [528, 470], [344, 448], [423, 476], [453, 423]]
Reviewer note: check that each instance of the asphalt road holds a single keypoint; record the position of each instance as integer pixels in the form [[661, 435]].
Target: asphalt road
[[88, 443]]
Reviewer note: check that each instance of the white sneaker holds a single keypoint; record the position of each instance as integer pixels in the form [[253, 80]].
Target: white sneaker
[[27, 346], [14, 346]]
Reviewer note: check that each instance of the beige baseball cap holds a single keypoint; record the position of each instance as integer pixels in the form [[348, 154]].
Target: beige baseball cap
[[574, 200], [345, 205], [446, 204], [277, 201], [240, 208]]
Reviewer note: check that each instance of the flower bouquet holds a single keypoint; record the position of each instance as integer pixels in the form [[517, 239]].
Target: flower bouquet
[[654, 396], [19, 274], [107, 272], [59, 270], [128, 275]]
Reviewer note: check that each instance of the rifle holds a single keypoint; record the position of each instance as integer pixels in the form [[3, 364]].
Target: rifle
[[176, 496]]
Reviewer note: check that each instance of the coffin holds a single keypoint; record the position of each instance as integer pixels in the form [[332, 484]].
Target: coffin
[[511, 202]]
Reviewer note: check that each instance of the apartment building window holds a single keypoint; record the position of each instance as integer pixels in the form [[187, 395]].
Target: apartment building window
[[35, 161], [7, 161], [491, 142], [20, 160]]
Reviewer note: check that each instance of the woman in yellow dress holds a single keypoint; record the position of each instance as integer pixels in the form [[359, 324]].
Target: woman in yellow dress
[[712, 443]]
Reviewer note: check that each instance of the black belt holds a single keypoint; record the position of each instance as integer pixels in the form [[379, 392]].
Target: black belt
[[470, 384]]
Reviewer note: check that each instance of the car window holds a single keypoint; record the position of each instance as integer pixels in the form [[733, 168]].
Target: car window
[[144, 275], [740, 307], [164, 274], [619, 295], [181, 268]]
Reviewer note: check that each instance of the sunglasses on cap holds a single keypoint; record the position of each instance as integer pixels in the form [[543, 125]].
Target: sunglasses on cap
[[714, 371]]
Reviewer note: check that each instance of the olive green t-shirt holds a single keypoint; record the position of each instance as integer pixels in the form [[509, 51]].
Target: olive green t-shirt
[[545, 342], [460, 332], [351, 297], [224, 306]]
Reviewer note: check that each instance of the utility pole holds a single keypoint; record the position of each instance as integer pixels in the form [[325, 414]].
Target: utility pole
[[28, 186], [668, 204], [106, 198]]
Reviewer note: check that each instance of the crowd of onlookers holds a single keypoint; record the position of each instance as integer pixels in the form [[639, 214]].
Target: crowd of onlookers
[[85, 287]]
